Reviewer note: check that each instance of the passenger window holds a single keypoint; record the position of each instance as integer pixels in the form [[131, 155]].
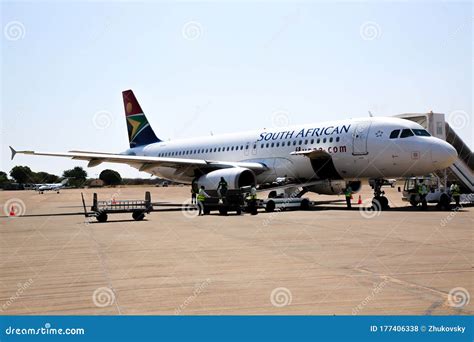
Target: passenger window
[[273, 144], [306, 142], [330, 140], [394, 134], [337, 139], [312, 141], [319, 140], [406, 133], [247, 147], [262, 146], [278, 144], [294, 143], [301, 141], [254, 146], [324, 140], [267, 145]]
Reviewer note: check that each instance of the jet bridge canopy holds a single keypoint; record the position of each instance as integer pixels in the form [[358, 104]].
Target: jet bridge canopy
[[462, 169]]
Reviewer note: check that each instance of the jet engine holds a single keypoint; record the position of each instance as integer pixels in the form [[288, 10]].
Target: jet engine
[[236, 177], [329, 187]]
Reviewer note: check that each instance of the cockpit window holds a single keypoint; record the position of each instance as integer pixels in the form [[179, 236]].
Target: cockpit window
[[406, 133], [421, 133], [394, 134]]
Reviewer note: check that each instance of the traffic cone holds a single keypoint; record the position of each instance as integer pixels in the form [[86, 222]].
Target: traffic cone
[[12, 211], [113, 201], [360, 200]]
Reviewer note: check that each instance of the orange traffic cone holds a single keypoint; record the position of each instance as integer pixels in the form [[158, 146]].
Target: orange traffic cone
[[113, 201], [12, 211], [360, 200]]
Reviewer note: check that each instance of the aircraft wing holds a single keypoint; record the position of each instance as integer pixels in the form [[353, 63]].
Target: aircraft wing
[[144, 163]]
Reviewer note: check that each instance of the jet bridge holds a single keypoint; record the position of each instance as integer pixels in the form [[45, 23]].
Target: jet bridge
[[462, 169]]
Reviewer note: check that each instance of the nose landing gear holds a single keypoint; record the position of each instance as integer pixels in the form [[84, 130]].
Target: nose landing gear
[[379, 202]]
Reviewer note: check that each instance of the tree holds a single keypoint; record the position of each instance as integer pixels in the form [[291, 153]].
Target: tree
[[3, 178], [22, 174], [77, 176], [110, 177], [44, 177]]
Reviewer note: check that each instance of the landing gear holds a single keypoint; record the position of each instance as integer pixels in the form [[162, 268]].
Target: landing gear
[[379, 202]]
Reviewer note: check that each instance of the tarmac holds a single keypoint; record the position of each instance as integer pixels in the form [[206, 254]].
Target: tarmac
[[326, 261]]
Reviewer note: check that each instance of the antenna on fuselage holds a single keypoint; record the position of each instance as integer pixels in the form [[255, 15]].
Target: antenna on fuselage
[[370, 114]]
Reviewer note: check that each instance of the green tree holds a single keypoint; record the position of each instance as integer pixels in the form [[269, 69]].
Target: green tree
[[22, 174], [77, 176], [3, 178], [44, 177], [110, 177]]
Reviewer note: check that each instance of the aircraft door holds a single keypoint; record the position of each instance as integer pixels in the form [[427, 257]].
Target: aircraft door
[[254, 148], [359, 138], [247, 148]]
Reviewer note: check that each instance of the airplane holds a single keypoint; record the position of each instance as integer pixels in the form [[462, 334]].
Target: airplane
[[324, 157], [41, 188]]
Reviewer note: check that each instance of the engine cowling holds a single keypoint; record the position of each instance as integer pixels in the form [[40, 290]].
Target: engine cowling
[[236, 177], [326, 187]]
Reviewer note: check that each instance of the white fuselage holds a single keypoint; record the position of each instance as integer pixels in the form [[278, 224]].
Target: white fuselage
[[359, 149]]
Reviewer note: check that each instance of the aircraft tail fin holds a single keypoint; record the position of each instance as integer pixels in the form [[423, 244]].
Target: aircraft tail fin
[[139, 130]]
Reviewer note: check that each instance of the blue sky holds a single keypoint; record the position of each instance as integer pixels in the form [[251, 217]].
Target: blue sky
[[198, 67]]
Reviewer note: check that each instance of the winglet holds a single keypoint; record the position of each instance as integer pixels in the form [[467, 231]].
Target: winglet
[[13, 152]]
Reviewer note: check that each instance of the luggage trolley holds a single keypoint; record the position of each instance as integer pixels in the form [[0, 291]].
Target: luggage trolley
[[101, 209]]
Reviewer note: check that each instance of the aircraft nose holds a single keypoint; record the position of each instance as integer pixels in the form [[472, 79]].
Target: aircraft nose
[[443, 154]]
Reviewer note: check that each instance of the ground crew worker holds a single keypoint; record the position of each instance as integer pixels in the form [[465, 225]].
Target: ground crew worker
[[222, 188], [348, 194], [252, 200], [455, 192], [201, 197], [194, 191], [422, 192]]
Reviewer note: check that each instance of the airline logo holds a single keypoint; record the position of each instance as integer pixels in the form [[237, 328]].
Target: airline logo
[[135, 124], [304, 133]]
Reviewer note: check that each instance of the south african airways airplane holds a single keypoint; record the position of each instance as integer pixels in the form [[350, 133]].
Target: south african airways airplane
[[324, 157]]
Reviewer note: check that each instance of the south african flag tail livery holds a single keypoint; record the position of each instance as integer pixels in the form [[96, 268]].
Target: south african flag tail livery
[[139, 130]]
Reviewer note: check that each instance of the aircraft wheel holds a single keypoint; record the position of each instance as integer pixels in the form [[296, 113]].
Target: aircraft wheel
[[376, 204], [384, 202]]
